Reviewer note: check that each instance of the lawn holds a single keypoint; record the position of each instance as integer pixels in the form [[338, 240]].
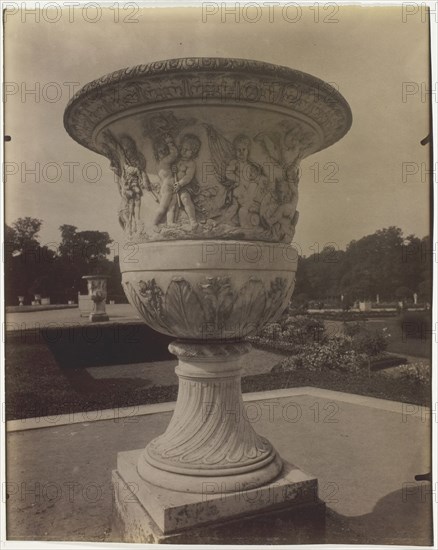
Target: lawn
[[400, 341], [41, 381]]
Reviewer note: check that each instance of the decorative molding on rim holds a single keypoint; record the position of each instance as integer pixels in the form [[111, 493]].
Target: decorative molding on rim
[[198, 78]]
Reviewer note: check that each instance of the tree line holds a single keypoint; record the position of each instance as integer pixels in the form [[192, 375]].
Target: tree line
[[384, 263], [56, 271]]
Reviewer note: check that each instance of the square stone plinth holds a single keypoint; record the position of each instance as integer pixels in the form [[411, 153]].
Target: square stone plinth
[[98, 317], [286, 511]]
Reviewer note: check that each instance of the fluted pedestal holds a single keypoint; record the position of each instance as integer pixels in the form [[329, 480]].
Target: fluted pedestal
[[210, 466], [209, 439]]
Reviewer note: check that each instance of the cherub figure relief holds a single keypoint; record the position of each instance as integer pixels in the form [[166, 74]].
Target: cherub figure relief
[[166, 154], [278, 210], [243, 179], [132, 190], [177, 171], [288, 146], [248, 182], [129, 166]]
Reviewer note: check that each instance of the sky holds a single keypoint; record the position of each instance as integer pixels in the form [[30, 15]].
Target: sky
[[377, 57]]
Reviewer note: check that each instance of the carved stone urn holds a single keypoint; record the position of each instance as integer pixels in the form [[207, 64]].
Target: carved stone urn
[[96, 286], [206, 153]]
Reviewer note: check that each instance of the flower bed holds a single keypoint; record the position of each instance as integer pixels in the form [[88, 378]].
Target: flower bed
[[304, 337]]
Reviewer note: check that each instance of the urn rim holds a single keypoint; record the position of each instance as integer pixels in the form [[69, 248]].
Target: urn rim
[[80, 125]]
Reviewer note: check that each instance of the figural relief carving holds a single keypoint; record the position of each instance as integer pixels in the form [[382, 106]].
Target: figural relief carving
[[248, 199]]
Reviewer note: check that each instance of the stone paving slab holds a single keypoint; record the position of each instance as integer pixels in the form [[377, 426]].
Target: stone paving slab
[[31, 320], [365, 457]]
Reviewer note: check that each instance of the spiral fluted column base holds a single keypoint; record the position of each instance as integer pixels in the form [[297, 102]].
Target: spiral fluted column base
[[209, 439]]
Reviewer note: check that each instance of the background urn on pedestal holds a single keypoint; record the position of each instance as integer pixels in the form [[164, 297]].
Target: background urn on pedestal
[[96, 285]]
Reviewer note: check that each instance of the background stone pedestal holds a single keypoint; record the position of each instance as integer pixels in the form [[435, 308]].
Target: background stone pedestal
[[97, 294], [99, 316], [284, 511]]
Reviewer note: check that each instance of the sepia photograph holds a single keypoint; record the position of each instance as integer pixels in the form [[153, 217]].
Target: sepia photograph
[[218, 261]]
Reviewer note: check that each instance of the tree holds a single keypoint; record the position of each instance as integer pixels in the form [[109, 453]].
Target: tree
[[425, 290], [115, 288], [32, 268], [378, 263], [26, 260], [86, 247], [10, 239], [41, 285], [319, 274], [23, 234], [68, 236], [403, 292], [81, 253]]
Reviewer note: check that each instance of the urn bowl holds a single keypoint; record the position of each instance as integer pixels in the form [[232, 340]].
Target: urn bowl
[[210, 290], [206, 157]]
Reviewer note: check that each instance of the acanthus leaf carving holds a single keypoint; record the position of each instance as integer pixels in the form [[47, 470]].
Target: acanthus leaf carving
[[182, 305], [210, 309], [218, 300], [250, 302], [151, 306]]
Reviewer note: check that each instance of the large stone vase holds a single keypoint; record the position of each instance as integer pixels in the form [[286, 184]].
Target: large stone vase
[[206, 154], [97, 292]]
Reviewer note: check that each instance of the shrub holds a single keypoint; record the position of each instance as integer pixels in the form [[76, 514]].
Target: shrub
[[289, 364], [365, 341], [271, 331], [302, 329], [370, 343], [297, 330], [418, 372], [335, 354], [353, 328]]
